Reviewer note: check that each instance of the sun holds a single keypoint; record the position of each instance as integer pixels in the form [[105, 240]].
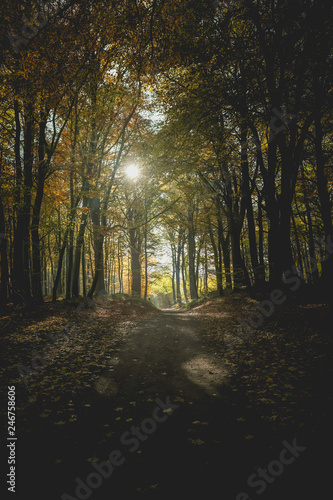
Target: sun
[[132, 171]]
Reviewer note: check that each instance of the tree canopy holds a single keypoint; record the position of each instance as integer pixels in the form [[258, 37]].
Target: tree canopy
[[224, 111]]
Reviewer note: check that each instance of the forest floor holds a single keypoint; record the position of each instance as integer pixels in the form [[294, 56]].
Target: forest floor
[[176, 399]]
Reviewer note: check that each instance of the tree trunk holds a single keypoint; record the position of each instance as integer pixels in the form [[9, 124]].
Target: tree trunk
[[249, 211], [312, 251], [261, 241], [22, 292], [70, 249], [298, 246], [173, 254], [42, 172], [191, 257], [325, 204], [206, 270], [98, 285], [146, 259], [275, 265], [178, 258], [78, 247], [224, 249], [120, 266], [27, 196], [18, 263], [184, 274], [135, 244], [240, 274], [69, 231], [84, 285], [4, 259], [217, 259]]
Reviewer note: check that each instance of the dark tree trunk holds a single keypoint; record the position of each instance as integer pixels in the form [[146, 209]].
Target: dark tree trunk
[[184, 274], [298, 246], [70, 249], [22, 291], [325, 204], [275, 264], [78, 248], [191, 257], [247, 193], [173, 255], [84, 284], [27, 196], [177, 263], [146, 258], [135, 243], [240, 274], [261, 241], [18, 230], [285, 246], [312, 251], [69, 231], [120, 266], [36, 251], [4, 258], [217, 260], [98, 285], [224, 249]]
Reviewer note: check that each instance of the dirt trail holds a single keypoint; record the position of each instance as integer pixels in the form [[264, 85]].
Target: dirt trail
[[166, 355], [166, 359], [165, 406]]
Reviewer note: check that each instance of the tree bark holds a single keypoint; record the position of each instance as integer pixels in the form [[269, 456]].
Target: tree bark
[[184, 274], [217, 259], [191, 256], [4, 283], [173, 256], [78, 247], [135, 244], [98, 285], [325, 204], [178, 259], [36, 251], [22, 290], [249, 210], [146, 257]]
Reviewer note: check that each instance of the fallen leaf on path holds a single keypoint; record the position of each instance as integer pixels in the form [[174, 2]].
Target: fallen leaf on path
[[196, 442]]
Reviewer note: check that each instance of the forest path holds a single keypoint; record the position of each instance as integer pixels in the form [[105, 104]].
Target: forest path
[[168, 355], [166, 410], [167, 363]]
